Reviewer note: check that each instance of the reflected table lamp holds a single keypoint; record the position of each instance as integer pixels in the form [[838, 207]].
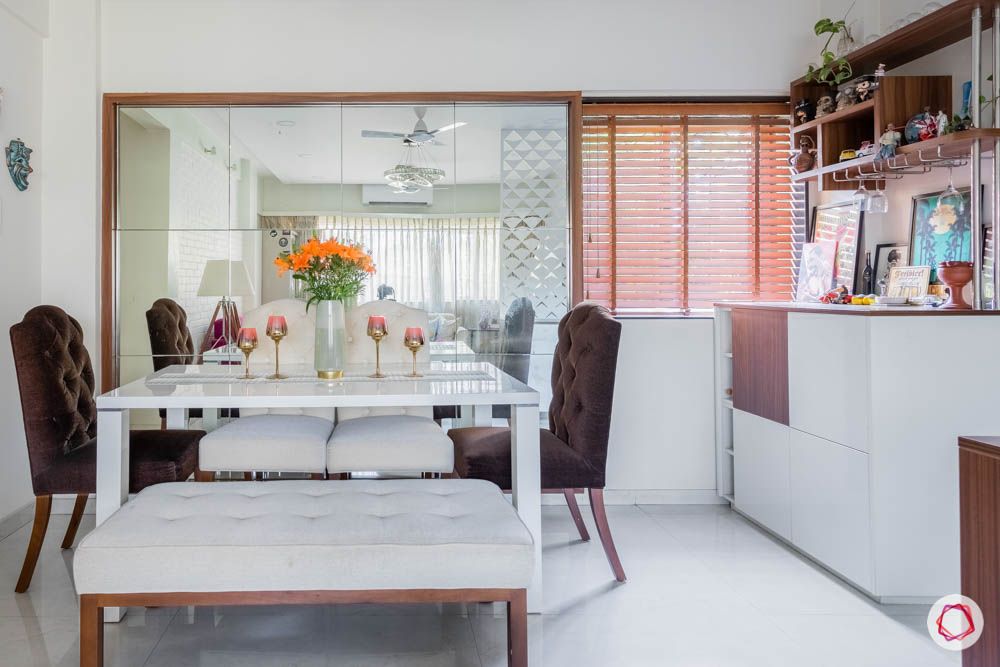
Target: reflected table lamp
[[225, 279]]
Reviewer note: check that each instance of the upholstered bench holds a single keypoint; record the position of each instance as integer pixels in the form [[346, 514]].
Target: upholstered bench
[[307, 542]]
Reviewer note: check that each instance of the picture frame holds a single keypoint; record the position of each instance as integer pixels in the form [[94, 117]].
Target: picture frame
[[815, 271], [888, 255], [842, 223], [909, 282], [940, 232]]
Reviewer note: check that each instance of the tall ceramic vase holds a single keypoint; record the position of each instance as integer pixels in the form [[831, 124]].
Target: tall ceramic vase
[[331, 339]]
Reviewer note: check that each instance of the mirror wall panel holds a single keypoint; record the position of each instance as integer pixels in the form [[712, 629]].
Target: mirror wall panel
[[464, 208]]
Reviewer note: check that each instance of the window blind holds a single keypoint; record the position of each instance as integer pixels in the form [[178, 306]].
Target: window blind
[[681, 211]]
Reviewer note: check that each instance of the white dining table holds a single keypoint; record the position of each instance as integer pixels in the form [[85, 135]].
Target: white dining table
[[476, 386]]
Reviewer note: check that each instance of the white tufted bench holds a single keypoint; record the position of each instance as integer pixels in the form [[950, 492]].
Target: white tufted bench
[[307, 542]]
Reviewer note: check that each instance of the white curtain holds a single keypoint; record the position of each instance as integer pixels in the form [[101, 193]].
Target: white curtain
[[439, 264]]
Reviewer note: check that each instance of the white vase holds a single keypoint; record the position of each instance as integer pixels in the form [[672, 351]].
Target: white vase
[[331, 340]]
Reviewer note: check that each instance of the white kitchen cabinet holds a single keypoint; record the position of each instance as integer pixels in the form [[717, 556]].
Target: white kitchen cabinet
[[830, 505], [761, 473]]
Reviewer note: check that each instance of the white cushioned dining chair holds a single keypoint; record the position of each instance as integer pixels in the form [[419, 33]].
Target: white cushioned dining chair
[[387, 439], [273, 439]]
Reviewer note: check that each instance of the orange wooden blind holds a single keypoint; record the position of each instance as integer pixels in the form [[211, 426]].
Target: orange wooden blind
[[681, 211]]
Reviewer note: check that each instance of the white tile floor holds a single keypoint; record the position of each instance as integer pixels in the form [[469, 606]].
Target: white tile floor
[[706, 589]]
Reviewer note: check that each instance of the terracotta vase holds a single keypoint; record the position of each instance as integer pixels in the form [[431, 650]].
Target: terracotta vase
[[956, 275]]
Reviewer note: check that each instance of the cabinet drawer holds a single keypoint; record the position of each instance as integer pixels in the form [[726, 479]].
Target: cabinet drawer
[[760, 472], [830, 506], [828, 377]]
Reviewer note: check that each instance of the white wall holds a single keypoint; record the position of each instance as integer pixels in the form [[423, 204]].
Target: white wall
[[20, 234]]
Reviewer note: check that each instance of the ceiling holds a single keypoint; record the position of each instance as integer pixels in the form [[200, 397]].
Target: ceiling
[[303, 144]]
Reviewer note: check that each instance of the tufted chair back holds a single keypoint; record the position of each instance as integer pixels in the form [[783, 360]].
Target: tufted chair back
[[56, 382], [361, 348], [583, 381], [298, 347], [169, 337]]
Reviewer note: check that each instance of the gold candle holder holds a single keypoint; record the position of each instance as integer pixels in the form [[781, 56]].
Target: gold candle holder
[[247, 342], [413, 339], [277, 329], [378, 329]]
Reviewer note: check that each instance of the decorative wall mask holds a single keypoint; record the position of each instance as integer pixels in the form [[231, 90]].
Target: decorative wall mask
[[18, 158]]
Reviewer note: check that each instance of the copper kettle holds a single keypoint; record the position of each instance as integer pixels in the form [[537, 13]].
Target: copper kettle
[[805, 159]]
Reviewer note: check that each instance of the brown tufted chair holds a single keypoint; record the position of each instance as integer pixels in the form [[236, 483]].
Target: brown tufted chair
[[56, 382], [574, 449]]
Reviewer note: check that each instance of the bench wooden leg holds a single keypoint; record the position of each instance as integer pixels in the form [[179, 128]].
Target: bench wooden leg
[[91, 632], [74, 521], [517, 629], [43, 508]]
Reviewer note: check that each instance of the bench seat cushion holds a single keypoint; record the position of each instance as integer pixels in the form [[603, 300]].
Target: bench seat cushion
[[390, 443], [270, 443], [308, 535]]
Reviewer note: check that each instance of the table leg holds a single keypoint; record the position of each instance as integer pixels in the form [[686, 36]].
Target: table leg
[[112, 473], [209, 419], [177, 418], [475, 415], [527, 487]]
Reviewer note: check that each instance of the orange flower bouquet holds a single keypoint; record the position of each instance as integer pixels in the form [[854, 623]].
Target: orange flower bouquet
[[331, 270]]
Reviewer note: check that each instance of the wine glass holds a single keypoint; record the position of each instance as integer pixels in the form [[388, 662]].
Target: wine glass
[[878, 202], [861, 196], [378, 329], [277, 328], [951, 196], [247, 342], [413, 339]]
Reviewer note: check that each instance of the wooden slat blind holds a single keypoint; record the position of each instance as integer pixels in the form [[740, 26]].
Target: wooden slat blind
[[682, 211]]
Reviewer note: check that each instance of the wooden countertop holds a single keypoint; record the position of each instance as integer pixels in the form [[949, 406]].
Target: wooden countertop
[[866, 311]]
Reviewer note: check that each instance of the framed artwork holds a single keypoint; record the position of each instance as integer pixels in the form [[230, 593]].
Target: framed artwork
[[888, 255], [908, 281], [987, 264], [940, 229], [815, 270], [841, 223]]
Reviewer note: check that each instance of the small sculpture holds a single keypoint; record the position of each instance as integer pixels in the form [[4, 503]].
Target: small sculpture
[[804, 111], [824, 106], [864, 90], [845, 98], [879, 71], [805, 159], [888, 142], [18, 159], [921, 127], [867, 148], [942, 123]]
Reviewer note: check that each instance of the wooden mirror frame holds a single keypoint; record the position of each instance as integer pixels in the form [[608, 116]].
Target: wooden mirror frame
[[109, 168]]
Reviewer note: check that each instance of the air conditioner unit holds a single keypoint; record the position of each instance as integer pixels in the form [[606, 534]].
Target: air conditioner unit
[[381, 195]]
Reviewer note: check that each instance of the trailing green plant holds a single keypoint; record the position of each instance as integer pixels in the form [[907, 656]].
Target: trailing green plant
[[833, 70]]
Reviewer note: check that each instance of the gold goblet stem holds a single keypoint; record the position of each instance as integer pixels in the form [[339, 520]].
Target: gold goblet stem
[[246, 364], [414, 374], [378, 358]]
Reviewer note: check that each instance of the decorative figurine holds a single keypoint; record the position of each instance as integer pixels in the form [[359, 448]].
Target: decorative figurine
[[888, 142], [867, 148], [848, 154], [942, 123], [824, 106], [845, 98], [921, 127], [804, 111], [18, 159], [805, 159], [864, 90], [879, 72]]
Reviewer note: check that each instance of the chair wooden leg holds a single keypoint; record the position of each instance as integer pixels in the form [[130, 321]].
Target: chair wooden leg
[[74, 521], [248, 477], [43, 508], [604, 530], [574, 509], [517, 630], [91, 633], [318, 475], [204, 475]]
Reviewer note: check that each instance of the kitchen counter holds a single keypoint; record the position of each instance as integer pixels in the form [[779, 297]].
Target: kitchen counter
[[836, 309]]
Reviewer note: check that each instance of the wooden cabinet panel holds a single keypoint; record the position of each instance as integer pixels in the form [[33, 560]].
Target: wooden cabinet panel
[[830, 506], [760, 474], [828, 391], [760, 363]]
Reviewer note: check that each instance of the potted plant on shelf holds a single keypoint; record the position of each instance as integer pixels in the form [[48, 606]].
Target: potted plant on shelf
[[833, 69], [334, 272]]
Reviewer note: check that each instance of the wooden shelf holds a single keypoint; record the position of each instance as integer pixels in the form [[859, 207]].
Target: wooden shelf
[[952, 23], [957, 145], [868, 106]]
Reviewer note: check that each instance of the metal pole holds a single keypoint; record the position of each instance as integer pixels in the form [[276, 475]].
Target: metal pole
[[995, 208], [976, 158]]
